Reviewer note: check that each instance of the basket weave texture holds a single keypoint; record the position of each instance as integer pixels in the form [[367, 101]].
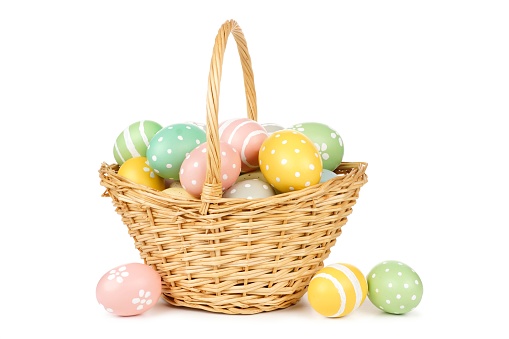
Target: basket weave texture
[[234, 256]]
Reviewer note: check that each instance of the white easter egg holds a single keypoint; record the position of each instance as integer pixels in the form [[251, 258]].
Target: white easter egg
[[249, 189]]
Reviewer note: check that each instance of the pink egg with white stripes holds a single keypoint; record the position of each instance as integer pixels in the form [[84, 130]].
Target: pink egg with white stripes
[[129, 289], [194, 168], [246, 136]]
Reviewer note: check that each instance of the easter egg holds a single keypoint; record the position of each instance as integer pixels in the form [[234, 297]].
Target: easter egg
[[326, 175], [289, 161], [327, 141], [139, 171], [134, 140], [178, 192], [129, 289], [256, 174], [271, 127], [249, 189], [394, 287], [169, 147], [337, 290], [194, 168], [176, 183], [246, 136], [199, 124]]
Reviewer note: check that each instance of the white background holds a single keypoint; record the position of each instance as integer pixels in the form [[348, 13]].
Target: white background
[[418, 89]]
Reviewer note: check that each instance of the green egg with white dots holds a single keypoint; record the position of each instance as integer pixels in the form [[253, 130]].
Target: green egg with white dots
[[171, 145], [327, 141], [394, 287]]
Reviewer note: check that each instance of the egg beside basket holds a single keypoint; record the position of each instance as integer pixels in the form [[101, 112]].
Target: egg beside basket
[[234, 256]]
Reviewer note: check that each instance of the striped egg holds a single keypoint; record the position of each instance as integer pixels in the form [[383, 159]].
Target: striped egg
[[337, 290], [134, 140], [246, 136]]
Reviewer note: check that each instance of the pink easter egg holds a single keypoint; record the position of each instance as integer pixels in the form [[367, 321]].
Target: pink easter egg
[[246, 136], [194, 168], [129, 289]]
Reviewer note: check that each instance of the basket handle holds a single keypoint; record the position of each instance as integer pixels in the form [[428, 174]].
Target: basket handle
[[212, 188]]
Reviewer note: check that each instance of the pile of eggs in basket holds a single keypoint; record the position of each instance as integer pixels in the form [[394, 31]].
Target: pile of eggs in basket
[[257, 160]]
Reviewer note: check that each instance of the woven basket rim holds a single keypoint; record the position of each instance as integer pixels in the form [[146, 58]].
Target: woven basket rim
[[344, 170]]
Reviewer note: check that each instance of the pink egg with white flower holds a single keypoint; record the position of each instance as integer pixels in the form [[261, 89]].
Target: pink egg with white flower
[[129, 289], [246, 136], [194, 168]]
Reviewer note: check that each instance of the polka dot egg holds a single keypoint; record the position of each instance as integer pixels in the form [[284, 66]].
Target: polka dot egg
[[170, 146], [246, 136], [337, 290], [327, 141], [134, 140], [249, 189], [139, 171], [289, 161], [194, 168], [129, 289], [394, 287]]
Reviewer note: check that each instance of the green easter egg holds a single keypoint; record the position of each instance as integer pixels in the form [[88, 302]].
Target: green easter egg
[[171, 145], [394, 287], [134, 140], [327, 141]]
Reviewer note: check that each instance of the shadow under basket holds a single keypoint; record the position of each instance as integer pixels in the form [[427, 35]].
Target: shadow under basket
[[234, 256]]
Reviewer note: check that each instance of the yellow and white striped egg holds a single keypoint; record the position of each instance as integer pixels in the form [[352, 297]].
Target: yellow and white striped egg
[[337, 290]]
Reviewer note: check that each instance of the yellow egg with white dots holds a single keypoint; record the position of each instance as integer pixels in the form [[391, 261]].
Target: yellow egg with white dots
[[289, 161], [337, 290]]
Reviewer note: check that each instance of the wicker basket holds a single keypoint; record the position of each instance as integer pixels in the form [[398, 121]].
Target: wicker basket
[[234, 256]]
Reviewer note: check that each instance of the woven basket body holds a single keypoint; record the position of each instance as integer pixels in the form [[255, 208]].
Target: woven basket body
[[234, 256]]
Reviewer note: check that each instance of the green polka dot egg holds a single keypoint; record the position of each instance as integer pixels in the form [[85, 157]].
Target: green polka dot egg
[[327, 141], [171, 145], [134, 140], [394, 287]]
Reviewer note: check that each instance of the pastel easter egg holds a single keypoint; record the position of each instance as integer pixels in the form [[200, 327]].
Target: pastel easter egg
[[289, 161], [194, 168], [176, 183], [327, 141], [249, 189], [256, 174], [134, 140], [394, 287], [169, 147], [138, 170], [271, 127], [246, 136], [178, 192], [129, 289], [337, 290], [199, 124], [326, 175]]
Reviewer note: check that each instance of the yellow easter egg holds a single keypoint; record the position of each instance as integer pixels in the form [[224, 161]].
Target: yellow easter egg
[[337, 290], [289, 161], [178, 191], [138, 170]]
